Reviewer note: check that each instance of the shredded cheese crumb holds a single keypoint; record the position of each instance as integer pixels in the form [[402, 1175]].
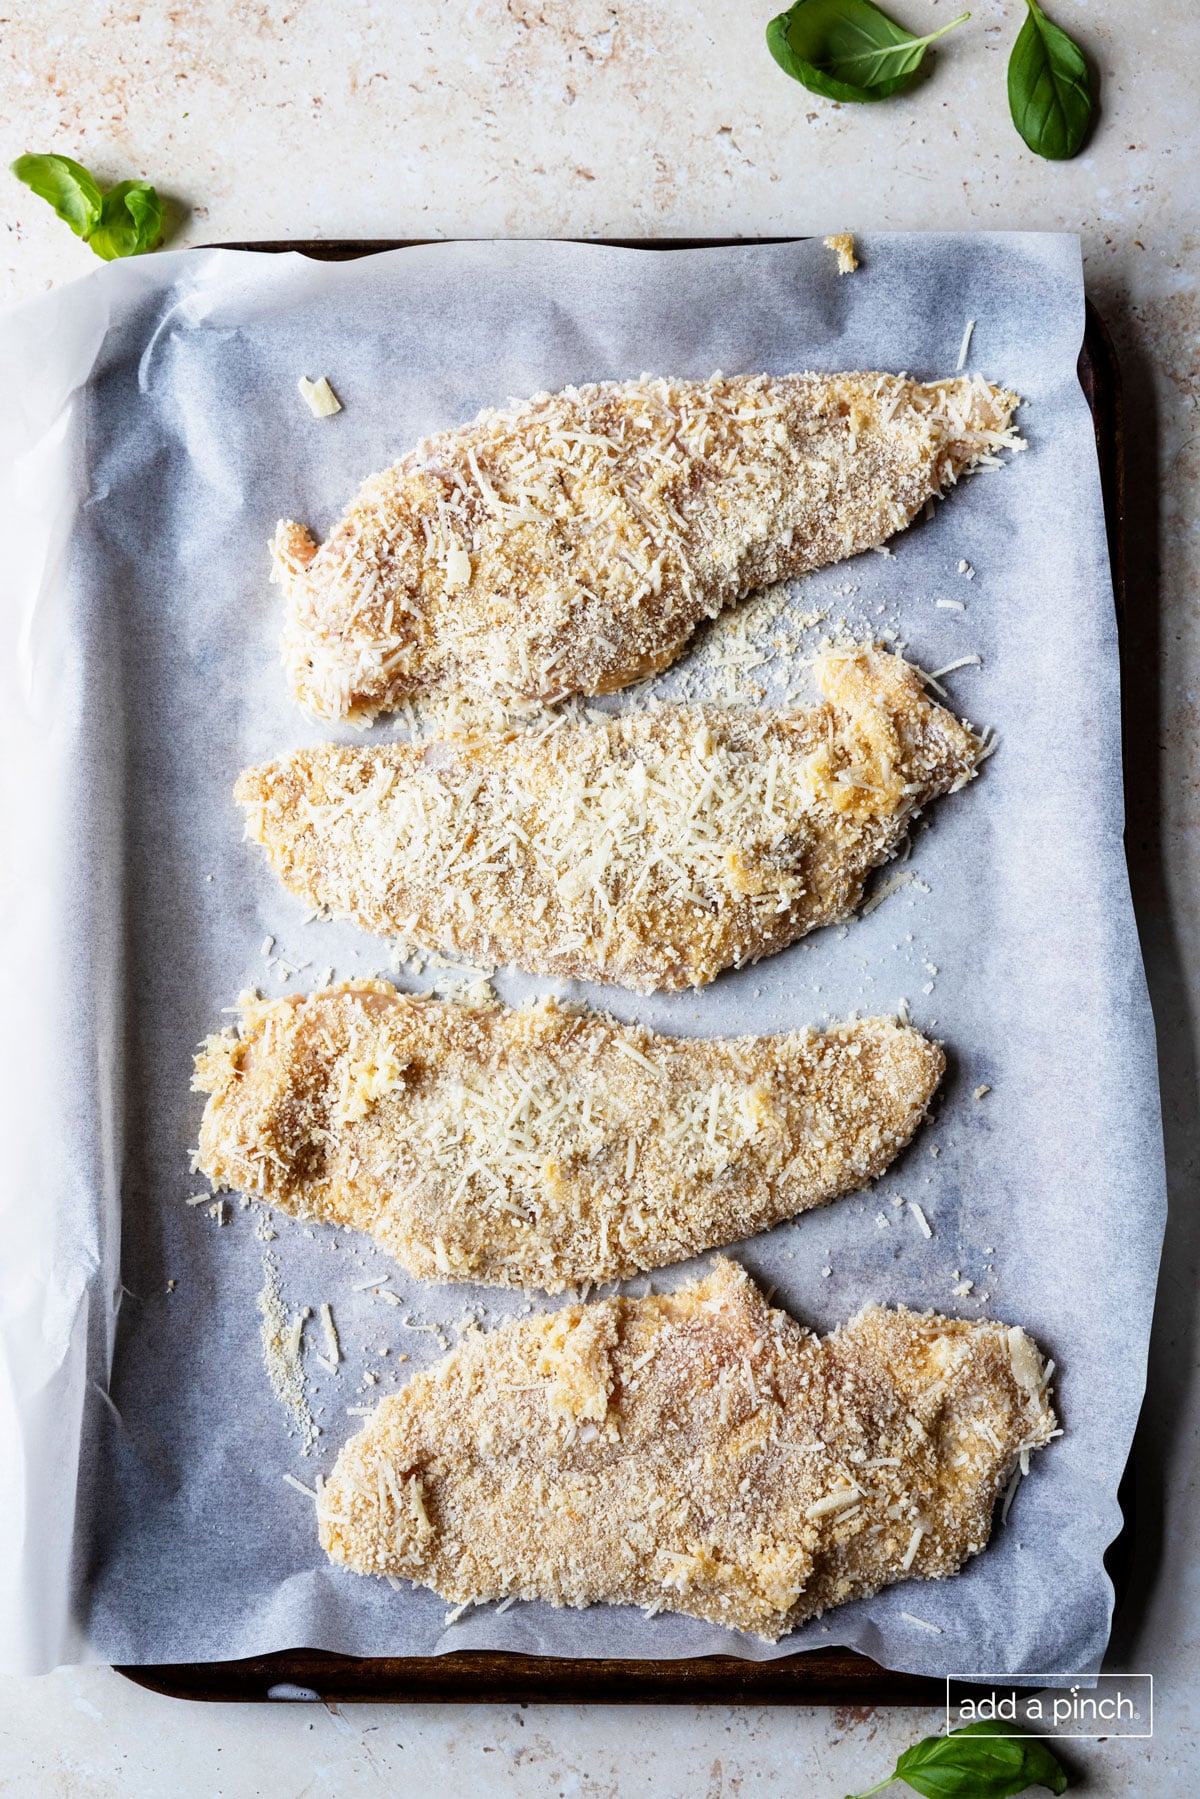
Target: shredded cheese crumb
[[923, 1223], [319, 397], [458, 566], [836, 1502], [332, 1346], [885, 889], [966, 345], [914, 1543], [962, 662]]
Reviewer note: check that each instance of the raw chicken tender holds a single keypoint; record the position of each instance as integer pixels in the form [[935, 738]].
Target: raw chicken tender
[[697, 1452], [652, 851], [543, 1147], [573, 543]]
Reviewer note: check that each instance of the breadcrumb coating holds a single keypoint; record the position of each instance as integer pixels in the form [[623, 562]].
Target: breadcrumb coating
[[572, 543], [652, 851], [698, 1452], [842, 245], [540, 1147]]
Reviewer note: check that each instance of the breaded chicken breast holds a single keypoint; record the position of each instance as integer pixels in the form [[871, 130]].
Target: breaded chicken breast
[[652, 851], [572, 544], [542, 1147], [699, 1453]]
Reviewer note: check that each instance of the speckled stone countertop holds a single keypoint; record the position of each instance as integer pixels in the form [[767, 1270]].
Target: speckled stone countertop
[[302, 118]]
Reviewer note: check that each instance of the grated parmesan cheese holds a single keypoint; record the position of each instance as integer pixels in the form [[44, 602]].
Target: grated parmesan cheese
[[319, 397], [923, 1224], [914, 1543], [962, 662], [834, 1502], [965, 345], [922, 1623]]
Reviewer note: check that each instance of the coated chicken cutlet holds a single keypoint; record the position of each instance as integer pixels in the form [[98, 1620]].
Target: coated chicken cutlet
[[572, 544], [543, 1147], [651, 851], [698, 1452]]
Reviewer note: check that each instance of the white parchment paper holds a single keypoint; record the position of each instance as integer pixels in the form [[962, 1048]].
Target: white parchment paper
[[151, 434]]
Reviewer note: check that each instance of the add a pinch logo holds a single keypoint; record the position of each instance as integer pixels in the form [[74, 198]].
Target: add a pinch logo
[[1053, 1705]]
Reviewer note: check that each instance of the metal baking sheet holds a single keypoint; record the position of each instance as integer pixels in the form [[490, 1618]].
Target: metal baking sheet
[[166, 434]]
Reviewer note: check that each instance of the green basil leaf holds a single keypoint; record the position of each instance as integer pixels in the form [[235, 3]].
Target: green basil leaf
[[978, 1762], [1049, 88], [130, 221], [848, 49], [66, 185]]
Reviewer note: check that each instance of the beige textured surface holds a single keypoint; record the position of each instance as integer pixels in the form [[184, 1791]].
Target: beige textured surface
[[531, 119]]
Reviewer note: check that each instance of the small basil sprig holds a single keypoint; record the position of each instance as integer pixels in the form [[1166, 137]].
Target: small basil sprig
[[123, 222], [1049, 88], [980, 1761], [848, 49], [130, 221]]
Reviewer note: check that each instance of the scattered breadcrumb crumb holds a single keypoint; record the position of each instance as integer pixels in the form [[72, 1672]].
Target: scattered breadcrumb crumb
[[281, 1355], [842, 245]]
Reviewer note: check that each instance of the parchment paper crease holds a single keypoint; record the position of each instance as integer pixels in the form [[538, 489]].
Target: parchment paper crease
[[151, 435]]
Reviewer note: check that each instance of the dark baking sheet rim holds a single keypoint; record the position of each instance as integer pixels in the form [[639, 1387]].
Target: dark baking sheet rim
[[832, 1676]]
